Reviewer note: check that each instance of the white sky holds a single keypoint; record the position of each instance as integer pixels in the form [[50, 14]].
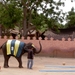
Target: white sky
[[68, 5]]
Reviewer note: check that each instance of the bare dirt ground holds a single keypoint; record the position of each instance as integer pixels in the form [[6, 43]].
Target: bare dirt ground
[[40, 63]]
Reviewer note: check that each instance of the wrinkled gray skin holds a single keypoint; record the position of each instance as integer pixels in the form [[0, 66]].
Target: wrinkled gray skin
[[19, 59]]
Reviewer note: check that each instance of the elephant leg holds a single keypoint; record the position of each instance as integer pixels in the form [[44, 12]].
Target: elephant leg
[[6, 59], [20, 62]]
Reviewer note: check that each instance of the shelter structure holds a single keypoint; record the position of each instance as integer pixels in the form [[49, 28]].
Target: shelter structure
[[63, 33]]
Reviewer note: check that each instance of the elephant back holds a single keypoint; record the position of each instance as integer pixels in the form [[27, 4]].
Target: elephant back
[[14, 47]]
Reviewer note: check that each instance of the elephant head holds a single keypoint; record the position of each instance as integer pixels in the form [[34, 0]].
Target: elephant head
[[31, 45]]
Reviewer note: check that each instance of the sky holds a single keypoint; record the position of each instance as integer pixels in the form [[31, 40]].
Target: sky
[[68, 5], [66, 8]]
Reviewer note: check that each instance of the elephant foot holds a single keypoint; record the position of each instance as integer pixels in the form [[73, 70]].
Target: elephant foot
[[6, 66], [20, 66]]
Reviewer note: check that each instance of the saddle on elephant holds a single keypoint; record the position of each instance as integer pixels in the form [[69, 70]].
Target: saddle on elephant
[[14, 47]]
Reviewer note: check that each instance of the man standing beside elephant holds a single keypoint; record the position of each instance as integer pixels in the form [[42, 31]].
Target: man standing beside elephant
[[31, 51], [30, 59]]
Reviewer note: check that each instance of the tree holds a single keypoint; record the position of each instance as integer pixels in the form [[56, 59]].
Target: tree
[[32, 6], [31, 19], [11, 14], [70, 18]]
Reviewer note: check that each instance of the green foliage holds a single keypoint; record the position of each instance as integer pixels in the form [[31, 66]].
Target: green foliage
[[14, 11], [11, 14], [70, 18], [50, 16], [39, 22]]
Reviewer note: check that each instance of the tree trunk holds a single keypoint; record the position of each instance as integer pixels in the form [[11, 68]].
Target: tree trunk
[[24, 20], [25, 29]]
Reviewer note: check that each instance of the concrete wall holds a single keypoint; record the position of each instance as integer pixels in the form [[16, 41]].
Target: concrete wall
[[52, 48]]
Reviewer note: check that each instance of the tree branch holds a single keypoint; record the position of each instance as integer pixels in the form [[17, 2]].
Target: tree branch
[[32, 27]]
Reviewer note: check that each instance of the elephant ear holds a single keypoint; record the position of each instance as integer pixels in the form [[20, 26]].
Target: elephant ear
[[28, 46]]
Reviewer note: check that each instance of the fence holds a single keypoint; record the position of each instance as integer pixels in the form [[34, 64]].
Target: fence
[[52, 48]]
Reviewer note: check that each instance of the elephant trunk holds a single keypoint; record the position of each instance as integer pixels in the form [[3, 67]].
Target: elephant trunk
[[38, 51]]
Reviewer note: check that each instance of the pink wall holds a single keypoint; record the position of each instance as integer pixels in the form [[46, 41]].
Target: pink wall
[[52, 48]]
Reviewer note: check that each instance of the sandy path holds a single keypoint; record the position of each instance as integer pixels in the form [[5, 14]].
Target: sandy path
[[40, 63]]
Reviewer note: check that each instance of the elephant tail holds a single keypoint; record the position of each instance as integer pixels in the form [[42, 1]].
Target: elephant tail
[[2, 45]]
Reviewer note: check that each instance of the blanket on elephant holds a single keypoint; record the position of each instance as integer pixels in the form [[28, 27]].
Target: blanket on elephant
[[14, 47]]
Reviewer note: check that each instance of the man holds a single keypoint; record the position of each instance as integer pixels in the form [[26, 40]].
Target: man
[[30, 59]]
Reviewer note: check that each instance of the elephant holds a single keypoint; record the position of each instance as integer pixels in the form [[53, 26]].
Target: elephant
[[24, 49]]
